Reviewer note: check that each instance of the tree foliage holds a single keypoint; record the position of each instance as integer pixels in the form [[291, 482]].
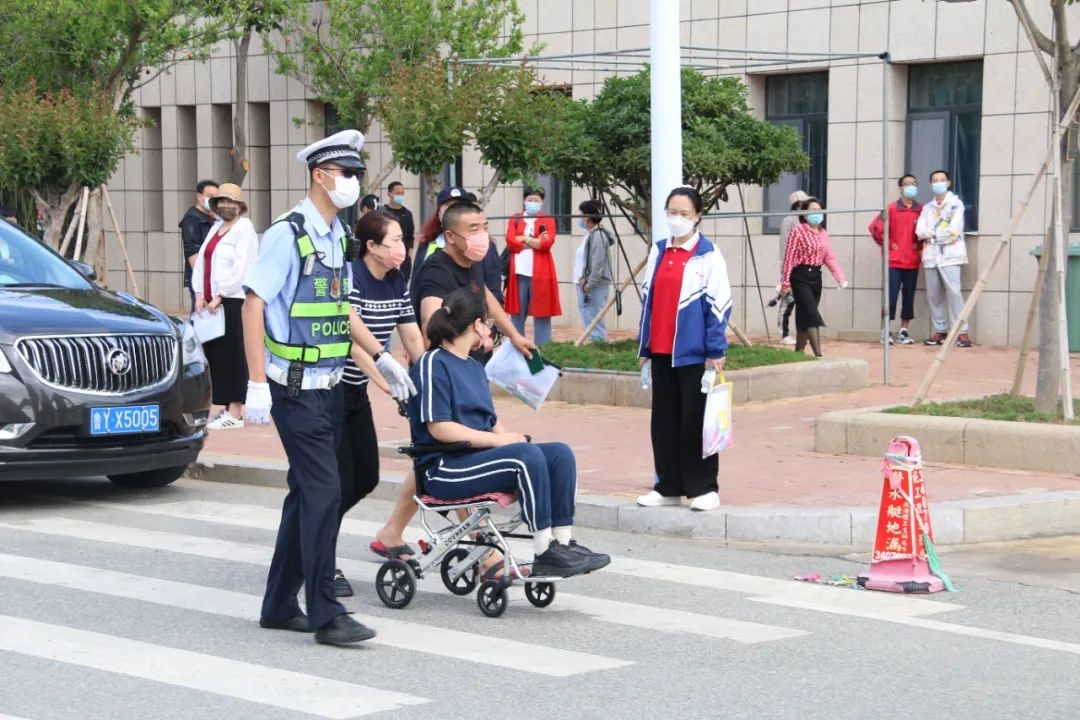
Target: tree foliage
[[605, 144]]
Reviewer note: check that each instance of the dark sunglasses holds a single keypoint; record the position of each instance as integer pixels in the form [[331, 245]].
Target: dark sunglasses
[[347, 173]]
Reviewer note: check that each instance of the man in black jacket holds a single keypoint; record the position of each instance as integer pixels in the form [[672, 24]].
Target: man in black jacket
[[194, 227]]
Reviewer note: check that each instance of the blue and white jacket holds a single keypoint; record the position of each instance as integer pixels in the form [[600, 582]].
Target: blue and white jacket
[[704, 305]]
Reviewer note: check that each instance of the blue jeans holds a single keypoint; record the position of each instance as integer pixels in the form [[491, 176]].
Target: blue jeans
[[544, 475], [541, 326], [590, 308]]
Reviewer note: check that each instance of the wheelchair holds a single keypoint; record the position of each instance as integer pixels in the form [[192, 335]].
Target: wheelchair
[[457, 547]]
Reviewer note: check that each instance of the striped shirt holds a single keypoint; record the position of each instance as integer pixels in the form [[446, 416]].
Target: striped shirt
[[382, 305], [807, 246]]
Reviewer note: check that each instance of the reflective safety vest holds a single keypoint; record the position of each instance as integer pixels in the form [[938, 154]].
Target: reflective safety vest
[[318, 321]]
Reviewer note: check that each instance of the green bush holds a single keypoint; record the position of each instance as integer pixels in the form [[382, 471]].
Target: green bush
[[622, 355], [1014, 408]]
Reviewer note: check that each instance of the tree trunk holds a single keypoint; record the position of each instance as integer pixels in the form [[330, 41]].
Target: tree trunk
[[489, 189], [373, 183], [238, 153], [95, 237], [434, 186], [54, 207]]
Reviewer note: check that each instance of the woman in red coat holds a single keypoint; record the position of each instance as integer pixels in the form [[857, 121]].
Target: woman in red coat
[[532, 287]]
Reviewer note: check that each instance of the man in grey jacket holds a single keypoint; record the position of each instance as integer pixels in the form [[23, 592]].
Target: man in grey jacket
[[592, 263]]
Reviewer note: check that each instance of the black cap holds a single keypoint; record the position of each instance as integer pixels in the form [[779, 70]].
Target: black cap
[[451, 193]]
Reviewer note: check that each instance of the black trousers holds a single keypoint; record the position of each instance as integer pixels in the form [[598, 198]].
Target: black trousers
[[806, 289], [228, 363], [309, 427], [902, 280], [358, 451], [678, 412]]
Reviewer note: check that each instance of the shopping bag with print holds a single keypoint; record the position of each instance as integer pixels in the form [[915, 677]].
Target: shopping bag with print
[[509, 370], [716, 430]]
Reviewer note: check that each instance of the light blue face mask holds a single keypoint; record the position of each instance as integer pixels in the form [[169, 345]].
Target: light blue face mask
[[581, 224], [940, 188], [815, 218], [533, 207], [206, 204], [910, 191], [399, 199]]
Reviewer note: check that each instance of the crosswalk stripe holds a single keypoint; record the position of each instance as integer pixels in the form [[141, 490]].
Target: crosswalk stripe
[[641, 616], [507, 654], [761, 589], [285, 689], [10, 717]]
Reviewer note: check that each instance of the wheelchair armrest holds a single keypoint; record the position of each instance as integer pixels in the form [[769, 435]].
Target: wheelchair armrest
[[416, 451]]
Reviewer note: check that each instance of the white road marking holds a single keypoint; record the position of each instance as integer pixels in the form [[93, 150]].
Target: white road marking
[[508, 654], [642, 616], [285, 689]]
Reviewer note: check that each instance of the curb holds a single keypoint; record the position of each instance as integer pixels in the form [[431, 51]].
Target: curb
[[1009, 517]]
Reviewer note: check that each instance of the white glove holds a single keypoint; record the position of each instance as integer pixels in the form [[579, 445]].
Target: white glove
[[646, 375], [707, 380], [257, 405], [401, 385], [843, 286]]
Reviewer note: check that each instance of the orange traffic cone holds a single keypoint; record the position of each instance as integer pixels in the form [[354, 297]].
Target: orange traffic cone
[[903, 556]]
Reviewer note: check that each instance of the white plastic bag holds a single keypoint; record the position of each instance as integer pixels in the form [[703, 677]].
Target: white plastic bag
[[716, 429], [508, 369], [208, 325]]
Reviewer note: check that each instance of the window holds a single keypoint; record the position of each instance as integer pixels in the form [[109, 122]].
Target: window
[[800, 101], [944, 128]]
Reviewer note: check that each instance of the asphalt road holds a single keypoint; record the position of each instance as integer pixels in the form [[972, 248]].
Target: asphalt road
[[118, 604]]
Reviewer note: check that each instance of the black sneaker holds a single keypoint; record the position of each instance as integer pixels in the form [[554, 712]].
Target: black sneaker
[[342, 588], [596, 560], [343, 630], [935, 339], [559, 561]]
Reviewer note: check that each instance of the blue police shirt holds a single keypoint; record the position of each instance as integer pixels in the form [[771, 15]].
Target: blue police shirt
[[449, 389], [274, 274]]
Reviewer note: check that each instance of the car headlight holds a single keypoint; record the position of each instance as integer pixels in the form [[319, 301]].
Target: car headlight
[[193, 352]]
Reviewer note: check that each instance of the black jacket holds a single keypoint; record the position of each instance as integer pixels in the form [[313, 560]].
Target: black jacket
[[194, 227]]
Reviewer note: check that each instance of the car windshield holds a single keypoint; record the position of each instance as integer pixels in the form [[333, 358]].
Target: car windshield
[[24, 262]]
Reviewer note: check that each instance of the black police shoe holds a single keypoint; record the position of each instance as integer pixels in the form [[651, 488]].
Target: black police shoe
[[596, 560], [559, 561], [342, 588], [343, 630], [296, 624]]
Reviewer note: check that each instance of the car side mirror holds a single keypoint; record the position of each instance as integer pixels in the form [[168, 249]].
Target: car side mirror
[[85, 270]]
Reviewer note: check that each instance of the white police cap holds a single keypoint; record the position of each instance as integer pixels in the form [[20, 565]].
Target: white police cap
[[341, 148]]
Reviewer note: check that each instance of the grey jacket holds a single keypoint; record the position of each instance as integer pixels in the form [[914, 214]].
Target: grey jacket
[[597, 272]]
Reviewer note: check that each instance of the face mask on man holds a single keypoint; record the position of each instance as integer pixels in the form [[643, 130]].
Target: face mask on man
[[206, 204], [399, 199], [476, 245], [346, 191], [940, 188], [910, 191], [679, 226], [533, 207], [226, 213]]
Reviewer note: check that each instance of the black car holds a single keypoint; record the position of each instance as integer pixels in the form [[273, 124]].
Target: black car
[[92, 382]]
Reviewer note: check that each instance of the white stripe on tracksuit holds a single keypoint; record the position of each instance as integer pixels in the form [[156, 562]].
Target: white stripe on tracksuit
[[511, 465]]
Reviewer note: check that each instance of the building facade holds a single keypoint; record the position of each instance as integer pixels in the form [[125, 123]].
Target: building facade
[[964, 92]]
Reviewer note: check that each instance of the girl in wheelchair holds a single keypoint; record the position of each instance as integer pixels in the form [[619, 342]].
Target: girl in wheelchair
[[454, 405]]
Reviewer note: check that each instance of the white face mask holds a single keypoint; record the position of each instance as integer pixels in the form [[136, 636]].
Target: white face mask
[[679, 226], [346, 192]]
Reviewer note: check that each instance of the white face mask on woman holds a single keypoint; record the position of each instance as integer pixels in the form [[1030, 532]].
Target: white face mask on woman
[[679, 226]]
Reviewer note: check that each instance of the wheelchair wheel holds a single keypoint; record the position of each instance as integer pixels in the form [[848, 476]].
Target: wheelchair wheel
[[540, 594], [395, 584], [466, 582], [492, 598]]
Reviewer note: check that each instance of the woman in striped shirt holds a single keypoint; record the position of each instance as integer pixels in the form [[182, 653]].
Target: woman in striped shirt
[[807, 250], [381, 299]]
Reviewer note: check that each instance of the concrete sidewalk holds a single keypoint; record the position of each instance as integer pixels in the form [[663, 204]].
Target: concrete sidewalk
[[773, 485]]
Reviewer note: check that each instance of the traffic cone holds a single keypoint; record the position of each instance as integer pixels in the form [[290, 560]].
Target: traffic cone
[[904, 560]]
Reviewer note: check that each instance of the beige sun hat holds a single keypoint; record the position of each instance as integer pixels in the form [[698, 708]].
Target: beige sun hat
[[229, 191], [797, 196]]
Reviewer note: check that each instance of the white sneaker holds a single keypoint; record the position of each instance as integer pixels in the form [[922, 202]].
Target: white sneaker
[[708, 501], [225, 421], [655, 499], [787, 340]]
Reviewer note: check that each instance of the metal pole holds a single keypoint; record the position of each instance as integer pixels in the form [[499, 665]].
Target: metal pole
[[1062, 255], [665, 108], [885, 325]]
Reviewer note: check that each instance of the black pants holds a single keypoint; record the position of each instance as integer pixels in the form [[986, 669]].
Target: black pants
[[902, 280], [228, 363], [678, 412], [358, 451], [806, 289], [309, 427]]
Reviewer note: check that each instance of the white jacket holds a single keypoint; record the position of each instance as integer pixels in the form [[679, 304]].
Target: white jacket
[[233, 255], [941, 226]]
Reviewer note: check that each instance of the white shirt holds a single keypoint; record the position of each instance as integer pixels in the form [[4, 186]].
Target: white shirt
[[233, 256], [523, 263], [579, 258]]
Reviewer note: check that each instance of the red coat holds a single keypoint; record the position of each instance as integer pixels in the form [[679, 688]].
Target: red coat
[[905, 250], [545, 285]]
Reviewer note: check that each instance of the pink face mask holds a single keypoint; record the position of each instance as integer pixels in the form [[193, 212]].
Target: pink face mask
[[476, 247], [397, 255]]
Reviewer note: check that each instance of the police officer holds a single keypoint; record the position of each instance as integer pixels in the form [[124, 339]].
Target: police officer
[[297, 330]]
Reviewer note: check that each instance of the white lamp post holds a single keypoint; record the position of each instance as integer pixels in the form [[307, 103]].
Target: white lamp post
[[665, 108]]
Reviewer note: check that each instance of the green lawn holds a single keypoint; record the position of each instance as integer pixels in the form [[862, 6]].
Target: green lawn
[[1016, 408], [622, 355]]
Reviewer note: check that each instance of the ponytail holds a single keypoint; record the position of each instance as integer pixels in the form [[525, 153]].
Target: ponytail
[[460, 309]]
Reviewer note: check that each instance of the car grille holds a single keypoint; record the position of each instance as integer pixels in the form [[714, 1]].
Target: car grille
[[101, 364], [74, 437]]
